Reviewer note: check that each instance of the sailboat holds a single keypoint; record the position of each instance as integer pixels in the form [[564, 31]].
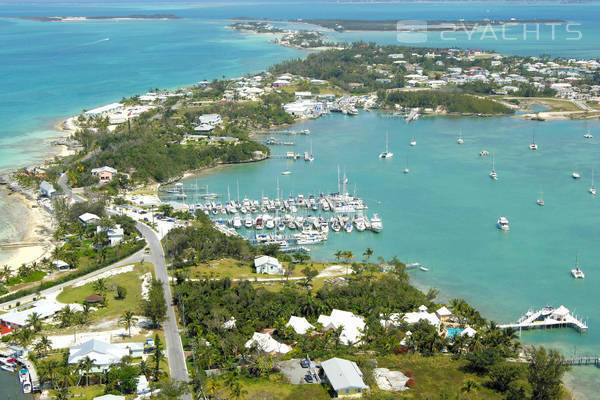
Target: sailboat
[[309, 156], [406, 170], [577, 272], [533, 145], [493, 174], [592, 189], [460, 139], [540, 200], [386, 153], [413, 142], [588, 135]]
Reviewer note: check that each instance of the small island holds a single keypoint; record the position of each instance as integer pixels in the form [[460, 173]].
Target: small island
[[100, 17]]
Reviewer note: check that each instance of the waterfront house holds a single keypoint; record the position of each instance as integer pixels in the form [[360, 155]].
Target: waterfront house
[[300, 325], [268, 265], [105, 174], [47, 189], [103, 354], [109, 108], [265, 342], [443, 313], [352, 325], [344, 376], [17, 318], [89, 219]]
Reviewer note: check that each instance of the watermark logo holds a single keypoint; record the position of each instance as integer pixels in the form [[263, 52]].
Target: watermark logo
[[411, 31]]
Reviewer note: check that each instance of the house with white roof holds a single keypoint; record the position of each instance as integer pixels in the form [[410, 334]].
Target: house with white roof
[[468, 331], [352, 325], [300, 325], [109, 397], [47, 189], [210, 119], [17, 318], [344, 376], [61, 265], [443, 313], [265, 342], [89, 218], [105, 173], [104, 354], [268, 265], [115, 234], [104, 110], [422, 315]]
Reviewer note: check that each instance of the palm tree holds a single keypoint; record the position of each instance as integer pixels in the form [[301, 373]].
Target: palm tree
[[339, 255], [237, 392], [100, 286], [145, 369], [5, 273], [34, 321], [157, 356], [87, 365], [43, 346], [368, 253], [128, 319], [348, 256], [469, 386]]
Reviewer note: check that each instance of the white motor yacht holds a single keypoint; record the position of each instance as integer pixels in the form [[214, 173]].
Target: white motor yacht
[[237, 222], [460, 139], [503, 224], [286, 173], [376, 224], [484, 153]]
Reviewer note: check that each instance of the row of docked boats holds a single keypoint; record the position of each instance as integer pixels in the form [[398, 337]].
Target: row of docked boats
[[338, 203], [11, 365], [336, 223]]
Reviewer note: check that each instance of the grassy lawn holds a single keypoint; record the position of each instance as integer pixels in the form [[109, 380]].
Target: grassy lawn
[[89, 392], [115, 308], [35, 276], [270, 389], [234, 269]]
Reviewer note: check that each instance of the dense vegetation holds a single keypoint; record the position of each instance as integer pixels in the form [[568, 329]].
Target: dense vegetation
[[449, 101]]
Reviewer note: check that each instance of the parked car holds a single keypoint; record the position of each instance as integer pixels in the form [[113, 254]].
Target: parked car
[[304, 363], [308, 378]]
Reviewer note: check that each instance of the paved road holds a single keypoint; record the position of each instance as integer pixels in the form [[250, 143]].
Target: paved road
[[132, 259], [62, 182], [175, 354]]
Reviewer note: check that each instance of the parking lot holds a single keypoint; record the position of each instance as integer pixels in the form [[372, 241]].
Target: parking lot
[[295, 373]]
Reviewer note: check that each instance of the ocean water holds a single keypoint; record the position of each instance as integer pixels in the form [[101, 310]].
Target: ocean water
[[442, 214]]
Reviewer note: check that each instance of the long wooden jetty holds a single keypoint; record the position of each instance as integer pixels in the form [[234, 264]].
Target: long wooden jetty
[[593, 360], [548, 317]]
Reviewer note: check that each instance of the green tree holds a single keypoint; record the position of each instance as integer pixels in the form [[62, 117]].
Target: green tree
[[155, 307], [86, 365], [502, 375], [157, 356], [121, 292], [546, 369], [128, 319]]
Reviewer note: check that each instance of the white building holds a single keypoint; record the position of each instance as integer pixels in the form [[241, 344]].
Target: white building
[[265, 342], [47, 189], [18, 317], [103, 354], [115, 234], [210, 119], [352, 325], [268, 265], [89, 218], [104, 110], [344, 376], [300, 325]]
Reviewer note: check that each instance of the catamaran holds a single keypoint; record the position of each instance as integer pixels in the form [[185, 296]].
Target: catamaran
[[533, 145], [493, 173], [576, 272], [588, 135], [592, 189], [309, 156], [387, 153]]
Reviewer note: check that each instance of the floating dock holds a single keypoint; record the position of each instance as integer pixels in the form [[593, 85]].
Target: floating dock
[[548, 317]]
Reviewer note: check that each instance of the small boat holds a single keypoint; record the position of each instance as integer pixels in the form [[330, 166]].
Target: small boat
[[592, 189], [237, 222], [286, 173], [460, 139], [502, 224], [588, 135], [484, 153], [349, 227], [575, 175], [576, 272], [540, 200], [27, 386], [305, 132], [423, 268], [335, 226], [533, 145], [387, 153], [7, 368], [413, 142], [376, 224], [493, 173]]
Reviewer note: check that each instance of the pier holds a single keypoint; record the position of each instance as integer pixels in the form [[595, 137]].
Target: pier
[[582, 361], [548, 317]]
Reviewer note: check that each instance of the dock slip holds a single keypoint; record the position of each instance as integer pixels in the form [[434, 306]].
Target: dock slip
[[548, 317]]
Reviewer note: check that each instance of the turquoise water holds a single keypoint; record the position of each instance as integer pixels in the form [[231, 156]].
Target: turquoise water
[[10, 389], [442, 214], [452, 332]]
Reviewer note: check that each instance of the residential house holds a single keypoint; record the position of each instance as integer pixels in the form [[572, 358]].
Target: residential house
[[352, 325], [105, 174], [17, 318], [210, 119], [300, 325], [444, 314], [103, 354], [103, 110], [115, 234], [265, 342], [89, 219], [344, 376], [268, 265], [47, 189], [61, 265]]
